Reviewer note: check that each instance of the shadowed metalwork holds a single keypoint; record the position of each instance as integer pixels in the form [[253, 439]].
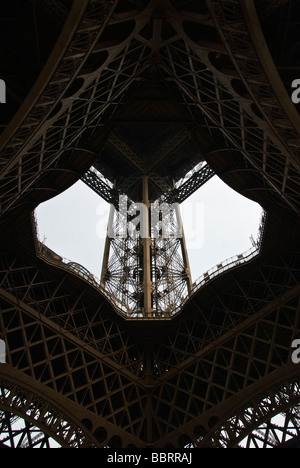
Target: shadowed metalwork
[[131, 96]]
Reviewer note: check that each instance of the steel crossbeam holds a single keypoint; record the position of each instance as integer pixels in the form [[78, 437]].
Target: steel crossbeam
[[218, 372], [194, 183], [99, 186]]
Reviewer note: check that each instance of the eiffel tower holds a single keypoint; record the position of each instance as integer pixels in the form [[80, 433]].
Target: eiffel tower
[[130, 96]]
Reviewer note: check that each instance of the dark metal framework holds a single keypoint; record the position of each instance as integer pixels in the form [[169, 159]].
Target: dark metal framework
[[142, 92]]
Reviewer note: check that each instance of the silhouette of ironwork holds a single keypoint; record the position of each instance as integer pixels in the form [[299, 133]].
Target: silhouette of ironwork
[[130, 96]]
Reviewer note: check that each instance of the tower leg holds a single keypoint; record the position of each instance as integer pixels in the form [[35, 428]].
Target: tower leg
[[184, 250], [107, 246], [146, 242]]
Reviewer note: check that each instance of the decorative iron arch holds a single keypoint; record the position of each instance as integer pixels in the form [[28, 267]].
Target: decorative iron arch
[[18, 401], [254, 424]]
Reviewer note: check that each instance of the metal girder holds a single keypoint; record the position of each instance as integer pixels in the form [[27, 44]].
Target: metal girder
[[148, 271], [127, 153], [207, 350], [62, 373], [281, 127], [100, 186], [264, 58], [178, 195], [258, 130], [28, 421], [223, 108], [204, 378], [176, 141], [16, 435], [63, 105], [194, 183], [222, 374], [268, 422]]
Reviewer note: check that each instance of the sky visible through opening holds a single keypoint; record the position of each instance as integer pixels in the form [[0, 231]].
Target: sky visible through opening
[[218, 224]]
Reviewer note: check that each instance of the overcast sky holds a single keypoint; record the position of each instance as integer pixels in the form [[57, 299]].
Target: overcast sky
[[218, 224]]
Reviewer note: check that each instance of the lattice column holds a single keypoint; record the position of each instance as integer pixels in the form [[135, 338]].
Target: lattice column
[[170, 263], [146, 264], [146, 243]]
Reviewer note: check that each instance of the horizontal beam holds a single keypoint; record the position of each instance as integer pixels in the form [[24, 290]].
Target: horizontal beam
[[194, 183], [101, 188]]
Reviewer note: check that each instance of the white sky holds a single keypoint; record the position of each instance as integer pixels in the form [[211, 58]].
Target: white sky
[[218, 224]]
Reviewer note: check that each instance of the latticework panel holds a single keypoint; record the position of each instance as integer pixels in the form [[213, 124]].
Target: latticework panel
[[187, 375], [269, 422], [16, 433], [27, 421], [220, 371], [223, 82], [85, 366]]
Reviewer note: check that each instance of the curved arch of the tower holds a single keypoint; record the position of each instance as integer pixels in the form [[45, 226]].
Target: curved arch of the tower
[[130, 96]]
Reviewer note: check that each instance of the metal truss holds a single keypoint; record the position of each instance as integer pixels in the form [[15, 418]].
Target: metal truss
[[123, 270], [201, 367], [240, 105], [206, 384], [102, 187], [125, 300], [168, 148], [190, 186], [124, 261], [171, 277], [24, 416], [122, 273], [268, 422], [96, 182], [220, 371], [62, 357], [16, 433], [82, 82], [223, 82], [123, 278]]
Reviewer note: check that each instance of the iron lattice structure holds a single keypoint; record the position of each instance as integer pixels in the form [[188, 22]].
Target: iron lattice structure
[[130, 96], [123, 274]]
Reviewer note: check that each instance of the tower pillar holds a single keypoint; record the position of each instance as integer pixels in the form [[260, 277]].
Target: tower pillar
[[146, 243]]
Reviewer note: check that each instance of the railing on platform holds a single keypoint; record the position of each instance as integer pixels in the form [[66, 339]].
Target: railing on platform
[[50, 257]]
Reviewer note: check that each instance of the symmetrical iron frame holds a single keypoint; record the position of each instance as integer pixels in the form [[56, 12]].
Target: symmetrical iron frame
[[221, 369]]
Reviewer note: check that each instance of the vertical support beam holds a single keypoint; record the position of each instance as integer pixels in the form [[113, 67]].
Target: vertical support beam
[[2, 92], [146, 242], [107, 245], [184, 249]]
